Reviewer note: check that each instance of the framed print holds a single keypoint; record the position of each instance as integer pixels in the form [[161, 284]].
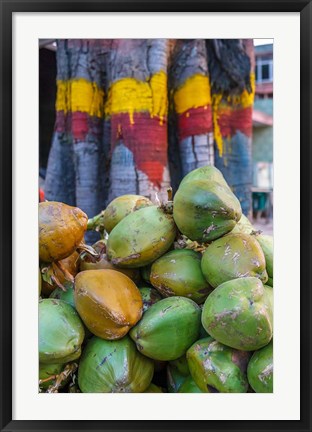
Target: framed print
[[81, 105]]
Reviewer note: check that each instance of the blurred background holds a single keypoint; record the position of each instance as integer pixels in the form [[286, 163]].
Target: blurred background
[[134, 116]]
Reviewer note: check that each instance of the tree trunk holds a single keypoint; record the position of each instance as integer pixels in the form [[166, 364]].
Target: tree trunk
[[232, 88], [192, 104], [75, 169], [137, 106], [87, 111], [111, 129], [60, 177], [75, 165]]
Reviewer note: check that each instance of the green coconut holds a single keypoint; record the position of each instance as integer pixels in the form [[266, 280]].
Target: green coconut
[[39, 281], [260, 370], [266, 243], [239, 314], [243, 226], [67, 296], [189, 386], [208, 173], [153, 389], [114, 367], [61, 332], [178, 273], [141, 237], [174, 379], [233, 256], [48, 374], [269, 291], [167, 329], [150, 296], [215, 365], [120, 207], [205, 210], [181, 365]]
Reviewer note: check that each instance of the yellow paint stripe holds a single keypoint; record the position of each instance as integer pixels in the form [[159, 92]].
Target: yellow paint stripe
[[216, 100], [129, 95], [80, 95], [194, 93], [244, 100]]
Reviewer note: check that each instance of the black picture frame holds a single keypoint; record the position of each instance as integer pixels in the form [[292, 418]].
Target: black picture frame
[[8, 7]]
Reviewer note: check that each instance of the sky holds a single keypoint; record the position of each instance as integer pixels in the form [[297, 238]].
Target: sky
[[262, 41]]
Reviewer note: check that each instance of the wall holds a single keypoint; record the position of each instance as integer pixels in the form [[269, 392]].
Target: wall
[[262, 143]]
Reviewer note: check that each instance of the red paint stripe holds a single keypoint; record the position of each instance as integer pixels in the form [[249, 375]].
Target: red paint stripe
[[147, 140], [41, 195], [232, 120], [79, 124], [62, 123], [196, 121]]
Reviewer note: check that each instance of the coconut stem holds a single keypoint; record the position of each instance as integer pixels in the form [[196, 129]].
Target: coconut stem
[[97, 223], [170, 193], [65, 272], [89, 250], [255, 233], [167, 207], [48, 275], [69, 370], [55, 280], [50, 378], [184, 243]]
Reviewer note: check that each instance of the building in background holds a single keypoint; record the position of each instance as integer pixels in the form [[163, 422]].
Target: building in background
[[262, 145]]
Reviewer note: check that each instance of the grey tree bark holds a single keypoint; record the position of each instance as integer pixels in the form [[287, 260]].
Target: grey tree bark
[[60, 177], [196, 149], [231, 66]]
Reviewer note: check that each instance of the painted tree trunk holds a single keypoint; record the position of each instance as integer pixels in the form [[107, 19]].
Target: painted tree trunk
[[232, 88], [60, 176], [111, 129], [87, 109], [137, 106], [80, 110], [78, 130], [190, 88]]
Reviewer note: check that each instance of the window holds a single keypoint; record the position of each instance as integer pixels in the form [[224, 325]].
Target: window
[[264, 70]]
